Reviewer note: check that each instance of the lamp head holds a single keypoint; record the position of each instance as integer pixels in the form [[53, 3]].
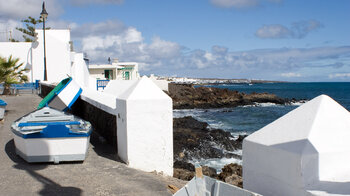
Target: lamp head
[[43, 13]]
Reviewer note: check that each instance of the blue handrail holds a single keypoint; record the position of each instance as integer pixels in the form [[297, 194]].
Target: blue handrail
[[101, 84]]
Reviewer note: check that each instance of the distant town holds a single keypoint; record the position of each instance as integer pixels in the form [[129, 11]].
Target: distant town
[[203, 81]]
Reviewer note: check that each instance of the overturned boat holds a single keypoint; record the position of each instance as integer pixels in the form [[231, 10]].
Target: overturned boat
[[50, 135], [63, 95]]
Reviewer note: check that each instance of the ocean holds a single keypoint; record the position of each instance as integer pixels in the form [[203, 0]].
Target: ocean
[[248, 119]]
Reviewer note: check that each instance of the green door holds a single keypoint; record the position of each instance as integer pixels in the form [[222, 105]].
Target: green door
[[127, 75], [109, 74]]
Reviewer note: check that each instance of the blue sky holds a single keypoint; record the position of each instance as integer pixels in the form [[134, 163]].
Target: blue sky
[[291, 40]]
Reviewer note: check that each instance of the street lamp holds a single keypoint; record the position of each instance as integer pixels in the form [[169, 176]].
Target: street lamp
[[43, 15]]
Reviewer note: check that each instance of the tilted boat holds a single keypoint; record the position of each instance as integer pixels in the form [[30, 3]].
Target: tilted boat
[[50, 135], [63, 95], [201, 185]]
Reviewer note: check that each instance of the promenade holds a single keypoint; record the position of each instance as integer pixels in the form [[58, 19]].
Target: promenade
[[102, 173]]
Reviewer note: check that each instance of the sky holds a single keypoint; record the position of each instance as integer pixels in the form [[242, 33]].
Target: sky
[[288, 40]]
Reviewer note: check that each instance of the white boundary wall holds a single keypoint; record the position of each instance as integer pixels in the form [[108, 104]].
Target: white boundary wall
[[144, 122]]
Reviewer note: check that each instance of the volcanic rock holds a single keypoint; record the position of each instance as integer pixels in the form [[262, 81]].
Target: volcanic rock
[[189, 97]]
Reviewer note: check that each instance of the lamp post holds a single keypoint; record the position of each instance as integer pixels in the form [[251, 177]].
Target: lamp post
[[43, 15]]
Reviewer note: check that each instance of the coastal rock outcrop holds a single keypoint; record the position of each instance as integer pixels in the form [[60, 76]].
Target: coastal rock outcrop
[[194, 140], [186, 96]]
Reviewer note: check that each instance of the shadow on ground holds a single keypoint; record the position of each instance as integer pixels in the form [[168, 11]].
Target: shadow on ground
[[102, 148], [50, 186]]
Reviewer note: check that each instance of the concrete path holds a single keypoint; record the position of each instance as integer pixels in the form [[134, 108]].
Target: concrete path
[[100, 174]]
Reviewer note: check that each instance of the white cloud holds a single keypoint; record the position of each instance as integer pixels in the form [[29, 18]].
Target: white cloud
[[241, 3], [297, 30], [163, 56], [339, 75], [291, 75], [273, 31], [19, 9]]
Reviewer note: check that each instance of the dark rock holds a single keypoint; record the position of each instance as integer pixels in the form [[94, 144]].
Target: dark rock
[[183, 174], [241, 138], [229, 170], [209, 171], [184, 165], [234, 180], [194, 140], [232, 174], [188, 97]]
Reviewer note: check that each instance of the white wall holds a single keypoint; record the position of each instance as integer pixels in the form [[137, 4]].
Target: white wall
[[80, 72], [144, 124], [58, 60], [21, 50], [97, 73], [57, 55]]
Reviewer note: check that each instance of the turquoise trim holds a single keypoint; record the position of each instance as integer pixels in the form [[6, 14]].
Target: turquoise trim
[[58, 92]]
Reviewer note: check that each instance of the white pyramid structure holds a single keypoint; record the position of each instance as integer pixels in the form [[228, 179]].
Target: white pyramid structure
[[305, 152], [145, 126]]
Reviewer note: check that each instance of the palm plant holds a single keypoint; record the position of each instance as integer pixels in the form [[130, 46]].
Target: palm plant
[[11, 73]]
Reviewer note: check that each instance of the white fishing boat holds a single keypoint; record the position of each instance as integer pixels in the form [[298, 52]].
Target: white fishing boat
[[201, 185], [50, 135], [3, 105], [63, 95]]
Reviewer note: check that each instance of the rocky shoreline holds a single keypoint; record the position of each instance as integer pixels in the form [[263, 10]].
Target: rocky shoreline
[[195, 140], [186, 96]]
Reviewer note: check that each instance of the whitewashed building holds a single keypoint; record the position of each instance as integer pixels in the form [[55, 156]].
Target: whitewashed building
[[115, 71], [305, 152], [61, 60]]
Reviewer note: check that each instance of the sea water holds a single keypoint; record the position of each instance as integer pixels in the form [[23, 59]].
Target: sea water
[[244, 120]]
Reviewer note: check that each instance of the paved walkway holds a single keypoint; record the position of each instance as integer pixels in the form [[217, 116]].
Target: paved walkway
[[100, 174]]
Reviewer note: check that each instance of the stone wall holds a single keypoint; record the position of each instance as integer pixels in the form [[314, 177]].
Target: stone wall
[[104, 124]]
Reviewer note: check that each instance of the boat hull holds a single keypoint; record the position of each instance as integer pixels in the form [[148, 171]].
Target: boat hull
[[52, 149], [50, 135]]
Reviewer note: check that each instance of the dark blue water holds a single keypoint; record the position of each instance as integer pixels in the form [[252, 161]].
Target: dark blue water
[[247, 119]]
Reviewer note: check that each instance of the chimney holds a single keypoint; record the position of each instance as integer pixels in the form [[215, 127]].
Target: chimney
[[115, 60]]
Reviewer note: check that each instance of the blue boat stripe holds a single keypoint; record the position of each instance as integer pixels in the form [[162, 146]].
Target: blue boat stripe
[[75, 98], [48, 123]]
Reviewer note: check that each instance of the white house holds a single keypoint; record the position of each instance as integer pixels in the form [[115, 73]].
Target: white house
[[305, 152], [60, 59], [115, 71]]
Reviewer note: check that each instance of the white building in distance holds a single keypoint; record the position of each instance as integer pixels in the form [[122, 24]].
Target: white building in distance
[[115, 71]]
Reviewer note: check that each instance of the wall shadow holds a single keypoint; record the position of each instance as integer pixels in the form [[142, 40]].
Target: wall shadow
[[102, 148], [50, 186]]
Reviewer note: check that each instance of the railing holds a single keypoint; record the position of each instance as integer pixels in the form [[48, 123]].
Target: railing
[[24, 87], [101, 84]]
